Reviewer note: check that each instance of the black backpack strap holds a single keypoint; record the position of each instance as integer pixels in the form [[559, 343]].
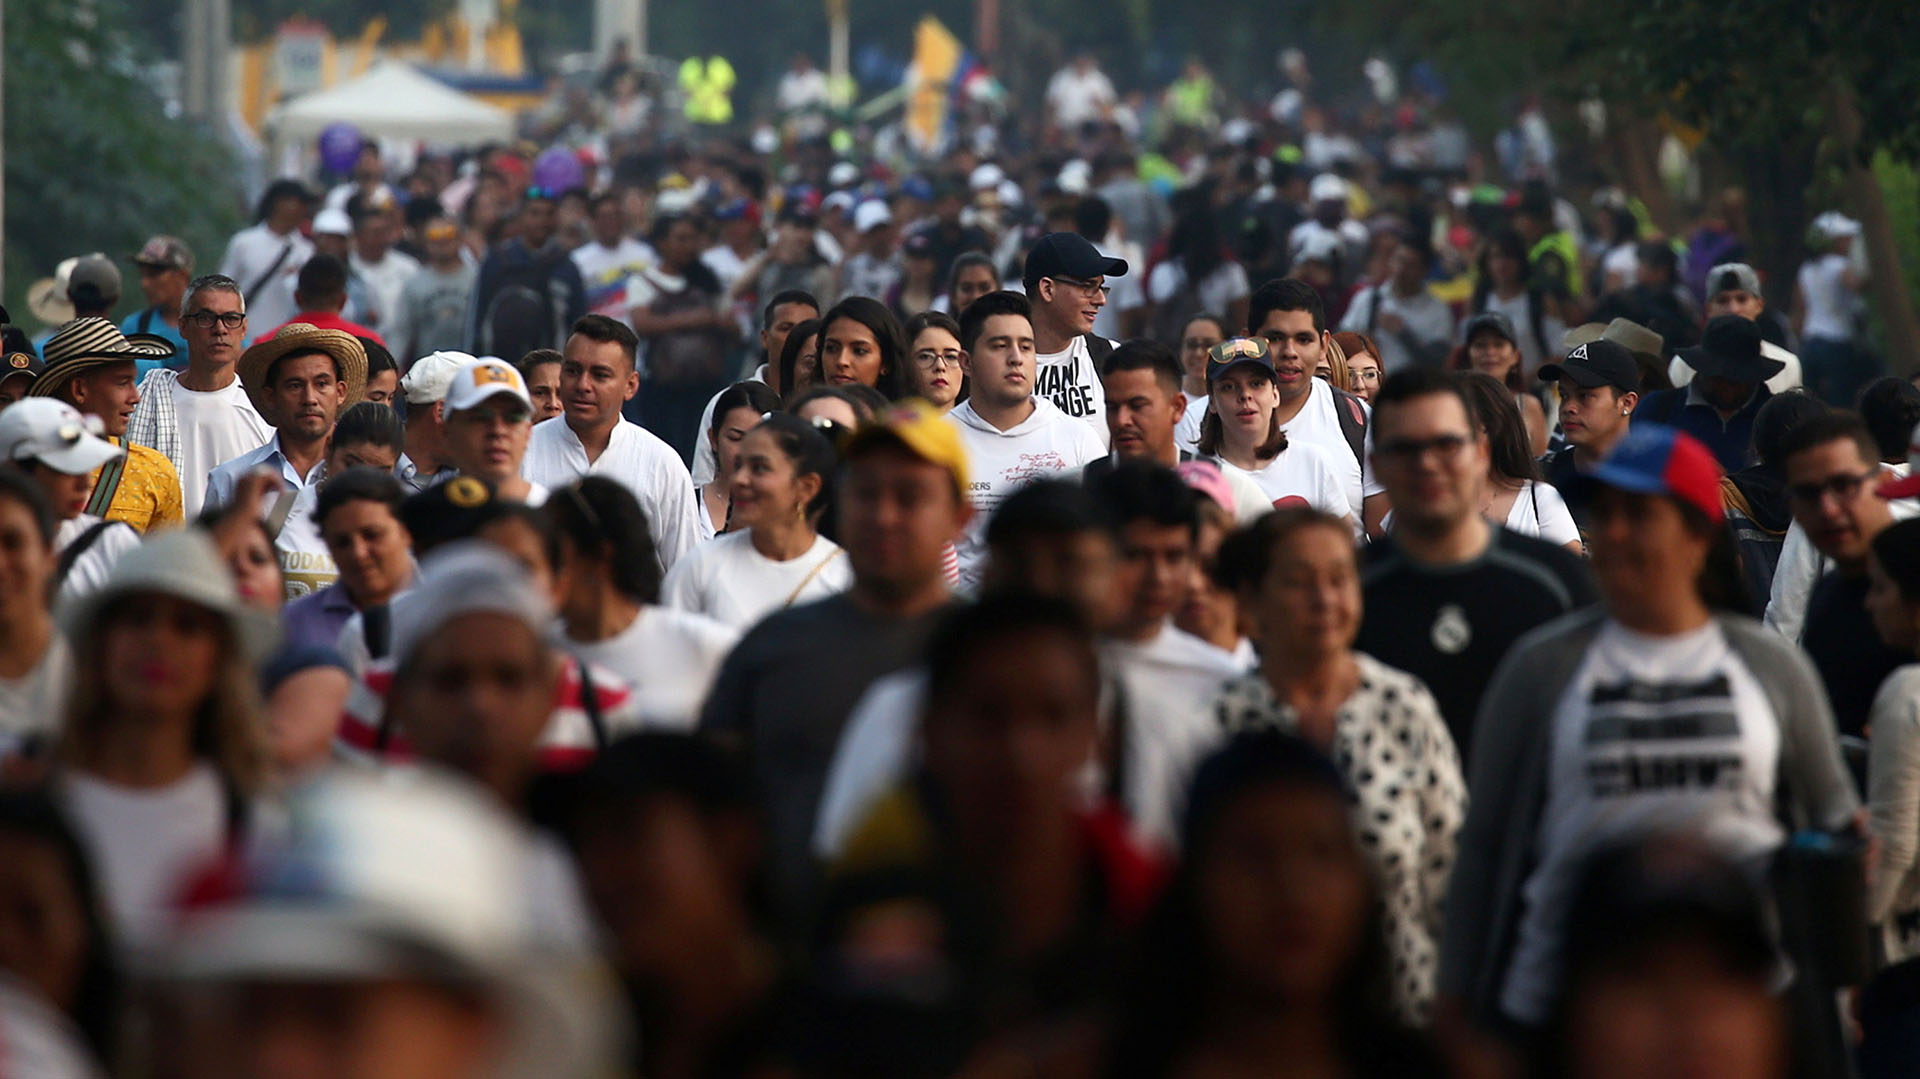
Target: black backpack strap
[[79, 547], [1536, 310], [590, 704], [1373, 307], [1353, 423], [376, 626], [107, 485], [1098, 348], [146, 320]]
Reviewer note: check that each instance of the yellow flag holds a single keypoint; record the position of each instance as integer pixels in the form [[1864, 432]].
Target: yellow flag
[[936, 56]]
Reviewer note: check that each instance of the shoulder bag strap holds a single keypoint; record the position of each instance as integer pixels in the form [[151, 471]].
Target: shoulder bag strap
[[811, 574], [108, 484], [78, 547], [271, 270]]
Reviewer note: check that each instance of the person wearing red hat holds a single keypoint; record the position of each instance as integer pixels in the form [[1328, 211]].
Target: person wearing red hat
[[1659, 709]]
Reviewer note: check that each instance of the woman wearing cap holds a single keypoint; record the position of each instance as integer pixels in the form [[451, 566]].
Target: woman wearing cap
[[161, 749], [610, 612], [1893, 764], [782, 482], [1658, 709], [934, 373], [735, 412], [1298, 581], [1265, 954], [59, 449], [1241, 432], [35, 662]]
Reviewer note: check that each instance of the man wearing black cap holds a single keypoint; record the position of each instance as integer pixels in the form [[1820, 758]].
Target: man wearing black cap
[[1066, 283], [1728, 389], [165, 265], [1599, 388]]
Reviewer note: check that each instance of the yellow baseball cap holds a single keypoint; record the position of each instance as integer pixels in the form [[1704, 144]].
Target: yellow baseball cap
[[924, 432]]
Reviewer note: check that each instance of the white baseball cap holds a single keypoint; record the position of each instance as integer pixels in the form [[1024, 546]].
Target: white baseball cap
[[55, 434], [427, 380], [1327, 187], [332, 222], [871, 214], [478, 380]]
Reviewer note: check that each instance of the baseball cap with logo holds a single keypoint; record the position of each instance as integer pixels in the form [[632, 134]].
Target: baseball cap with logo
[[1235, 352], [1597, 363], [919, 428], [427, 380], [164, 253], [479, 380], [55, 434], [1654, 459]]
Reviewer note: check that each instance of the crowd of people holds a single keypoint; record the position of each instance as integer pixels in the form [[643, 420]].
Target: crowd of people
[[1274, 610]]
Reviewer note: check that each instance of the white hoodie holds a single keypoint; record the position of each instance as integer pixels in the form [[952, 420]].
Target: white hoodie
[[1047, 443]]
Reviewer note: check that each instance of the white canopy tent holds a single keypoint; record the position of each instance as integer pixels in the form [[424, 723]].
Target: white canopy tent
[[392, 101]]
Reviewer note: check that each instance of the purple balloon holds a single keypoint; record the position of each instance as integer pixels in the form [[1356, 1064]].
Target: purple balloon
[[339, 147], [558, 170]]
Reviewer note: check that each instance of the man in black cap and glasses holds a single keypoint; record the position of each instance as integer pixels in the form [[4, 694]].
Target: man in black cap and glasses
[[1728, 388], [1066, 281]]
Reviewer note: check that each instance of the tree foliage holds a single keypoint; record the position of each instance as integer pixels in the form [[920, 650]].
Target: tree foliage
[[93, 162]]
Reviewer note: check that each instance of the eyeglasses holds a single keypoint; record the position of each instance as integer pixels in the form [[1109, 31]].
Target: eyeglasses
[[931, 358], [1843, 487], [1410, 450], [232, 320], [1238, 348], [1090, 288]]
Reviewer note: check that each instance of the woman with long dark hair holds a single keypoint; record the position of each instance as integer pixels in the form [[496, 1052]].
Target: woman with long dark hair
[[1198, 274], [861, 341], [1503, 284], [609, 604], [1265, 955], [775, 555], [735, 412], [1655, 710], [1516, 495], [799, 358]]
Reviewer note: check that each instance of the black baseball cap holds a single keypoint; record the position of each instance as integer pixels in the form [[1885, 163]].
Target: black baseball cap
[[1235, 351], [1491, 320], [1596, 363], [1068, 254]]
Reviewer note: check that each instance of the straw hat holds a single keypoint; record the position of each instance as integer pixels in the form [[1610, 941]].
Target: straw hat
[[303, 337]]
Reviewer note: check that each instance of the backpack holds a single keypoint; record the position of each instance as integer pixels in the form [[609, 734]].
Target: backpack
[[524, 314], [1353, 422], [1171, 316], [685, 357], [1755, 546]]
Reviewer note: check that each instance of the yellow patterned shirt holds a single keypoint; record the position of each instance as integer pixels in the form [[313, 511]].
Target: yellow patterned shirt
[[148, 497]]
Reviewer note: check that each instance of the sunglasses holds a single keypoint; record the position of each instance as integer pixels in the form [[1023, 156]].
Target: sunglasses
[[1238, 348]]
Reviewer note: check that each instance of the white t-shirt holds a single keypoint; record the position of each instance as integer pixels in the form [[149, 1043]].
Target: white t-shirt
[[1829, 302], [384, 280], [215, 427], [1318, 422], [1077, 98], [34, 703], [1540, 511], [144, 842], [634, 456], [1045, 444], [305, 563], [1186, 433], [1652, 734], [669, 657], [1226, 284], [1428, 322], [728, 580], [1128, 293], [1170, 683], [90, 569], [250, 254], [1071, 380], [605, 272], [1302, 473]]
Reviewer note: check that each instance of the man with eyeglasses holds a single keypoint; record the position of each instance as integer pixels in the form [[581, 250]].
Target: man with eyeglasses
[[1066, 283], [202, 416], [487, 420], [1833, 487], [1447, 592]]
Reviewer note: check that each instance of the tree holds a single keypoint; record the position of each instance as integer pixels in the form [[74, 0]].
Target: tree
[[93, 162]]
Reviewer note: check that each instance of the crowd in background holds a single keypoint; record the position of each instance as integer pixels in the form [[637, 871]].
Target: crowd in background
[[1152, 587]]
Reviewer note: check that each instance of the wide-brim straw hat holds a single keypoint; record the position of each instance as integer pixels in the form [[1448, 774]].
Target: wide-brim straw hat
[[304, 337], [91, 342]]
